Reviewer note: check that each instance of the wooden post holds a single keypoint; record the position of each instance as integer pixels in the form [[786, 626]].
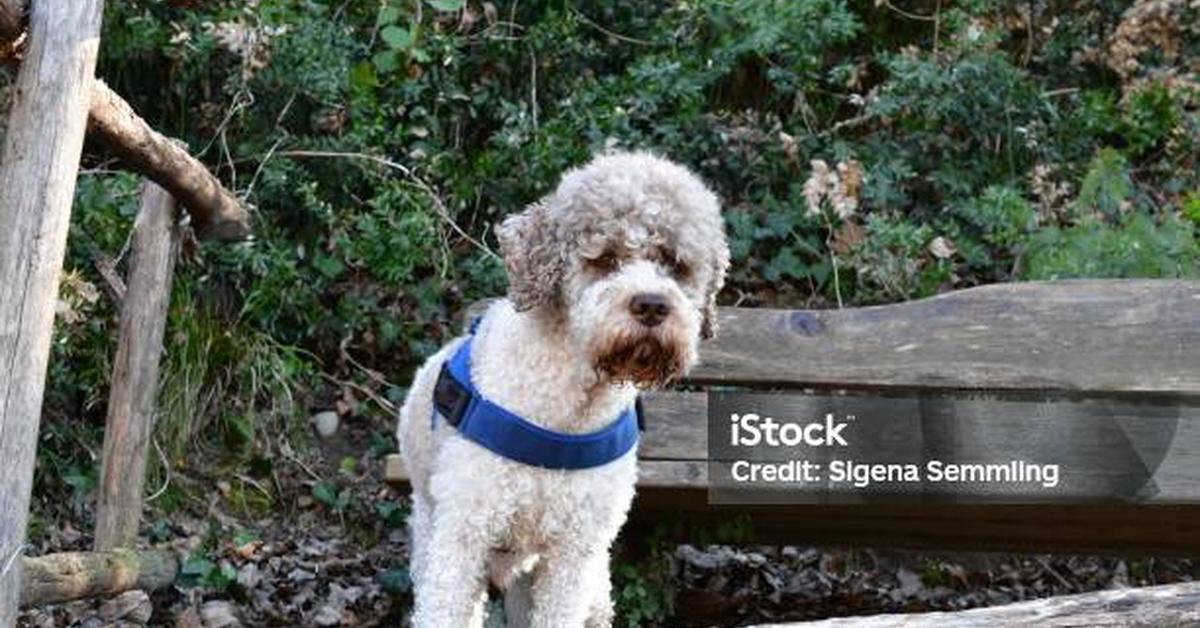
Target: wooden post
[[38, 167], [135, 370]]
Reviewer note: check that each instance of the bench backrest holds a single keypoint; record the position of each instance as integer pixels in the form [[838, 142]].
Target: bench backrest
[[1123, 339]]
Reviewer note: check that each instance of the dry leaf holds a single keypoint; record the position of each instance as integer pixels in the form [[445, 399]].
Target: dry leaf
[[942, 247]]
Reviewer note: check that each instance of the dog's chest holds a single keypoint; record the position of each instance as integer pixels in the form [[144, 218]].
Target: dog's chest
[[554, 507]]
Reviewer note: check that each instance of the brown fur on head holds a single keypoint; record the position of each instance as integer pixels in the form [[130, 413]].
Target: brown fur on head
[[622, 225]]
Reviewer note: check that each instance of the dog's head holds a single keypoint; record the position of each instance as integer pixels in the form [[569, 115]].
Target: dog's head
[[629, 253]]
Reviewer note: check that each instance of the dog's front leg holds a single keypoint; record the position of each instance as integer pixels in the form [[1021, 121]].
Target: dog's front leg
[[452, 586], [600, 611], [565, 587]]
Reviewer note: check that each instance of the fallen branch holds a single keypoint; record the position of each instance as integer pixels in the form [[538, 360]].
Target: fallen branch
[[1168, 605], [70, 576], [215, 211]]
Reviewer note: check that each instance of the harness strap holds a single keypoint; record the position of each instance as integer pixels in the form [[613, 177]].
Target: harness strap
[[456, 398]]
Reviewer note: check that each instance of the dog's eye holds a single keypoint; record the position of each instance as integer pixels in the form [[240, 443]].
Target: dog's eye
[[604, 264], [678, 268]]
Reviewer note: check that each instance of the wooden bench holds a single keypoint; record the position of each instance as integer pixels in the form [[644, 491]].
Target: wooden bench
[[1115, 339]]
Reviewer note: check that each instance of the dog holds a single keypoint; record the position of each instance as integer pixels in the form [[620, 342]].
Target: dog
[[613, 278]]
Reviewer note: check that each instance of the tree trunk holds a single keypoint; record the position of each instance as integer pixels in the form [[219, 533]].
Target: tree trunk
[[38, 167], [135, 370], [76, 575]]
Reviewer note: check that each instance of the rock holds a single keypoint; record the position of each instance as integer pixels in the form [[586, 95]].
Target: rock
[[188, 618], [219, 614], [130, 606], [343, 596], [301, 575], [249, 576], [327, 616], [326, 423], [910, 583]]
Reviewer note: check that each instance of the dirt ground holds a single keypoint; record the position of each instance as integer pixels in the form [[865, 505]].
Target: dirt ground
[[319, 541]]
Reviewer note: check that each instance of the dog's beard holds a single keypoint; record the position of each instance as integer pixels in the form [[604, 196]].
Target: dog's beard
[[646, 360]]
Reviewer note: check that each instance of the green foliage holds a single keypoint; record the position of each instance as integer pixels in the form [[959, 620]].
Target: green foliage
[[892, 263], [1151, 115], [395, 581], [1191, 208], [1001, 215], [198, 570], [1135, 247], [392, 514], [1107, 185], [329, 496], [640, 599]]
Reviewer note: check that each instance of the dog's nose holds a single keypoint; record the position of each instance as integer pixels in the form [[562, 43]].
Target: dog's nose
[[649, 309]]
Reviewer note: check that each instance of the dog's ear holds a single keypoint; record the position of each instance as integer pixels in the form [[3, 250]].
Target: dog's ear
[[532, 256]]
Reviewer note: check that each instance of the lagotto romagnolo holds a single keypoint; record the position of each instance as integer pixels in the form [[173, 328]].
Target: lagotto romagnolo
[[612, 283]]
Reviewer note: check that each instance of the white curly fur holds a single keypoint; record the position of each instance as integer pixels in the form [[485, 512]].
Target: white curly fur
[[564, 351]]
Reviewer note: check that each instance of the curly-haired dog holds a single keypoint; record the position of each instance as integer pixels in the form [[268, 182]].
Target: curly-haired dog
[[612, 279]]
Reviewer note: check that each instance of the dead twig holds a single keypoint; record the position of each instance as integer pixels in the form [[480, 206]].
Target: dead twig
[[617, 36], [438, 205]]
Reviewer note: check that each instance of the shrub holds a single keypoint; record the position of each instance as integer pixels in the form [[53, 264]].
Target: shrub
[[378, 142]]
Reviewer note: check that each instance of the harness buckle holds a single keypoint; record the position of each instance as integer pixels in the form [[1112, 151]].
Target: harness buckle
[[450, 398]]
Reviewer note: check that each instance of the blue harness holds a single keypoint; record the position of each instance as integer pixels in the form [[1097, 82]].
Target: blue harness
[[457, 399]]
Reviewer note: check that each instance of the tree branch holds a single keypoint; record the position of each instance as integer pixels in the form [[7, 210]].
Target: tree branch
[[215, 211]]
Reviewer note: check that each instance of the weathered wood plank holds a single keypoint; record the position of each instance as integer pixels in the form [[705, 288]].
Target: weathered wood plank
[[1147, 530], [676, 426], [38, 166], [134, 380], [677, 488], [1167, 605], [1120, 335], [666, 474], [69, 576]]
